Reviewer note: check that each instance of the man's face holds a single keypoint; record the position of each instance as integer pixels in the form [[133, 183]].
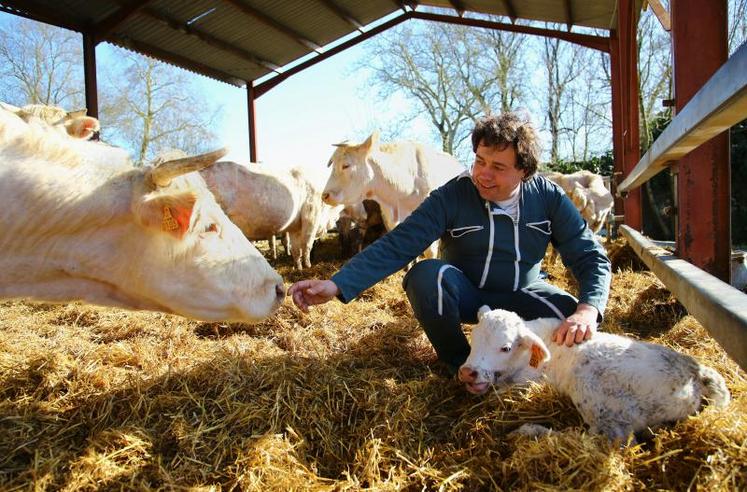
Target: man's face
[[495, 174]]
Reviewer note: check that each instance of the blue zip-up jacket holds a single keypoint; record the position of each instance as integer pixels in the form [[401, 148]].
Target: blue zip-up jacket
[[480, 239]]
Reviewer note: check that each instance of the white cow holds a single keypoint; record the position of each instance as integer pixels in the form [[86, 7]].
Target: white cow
[[74, 123], [79, 222], [399, 176], [619, 385], [263, 203], [588, 193]]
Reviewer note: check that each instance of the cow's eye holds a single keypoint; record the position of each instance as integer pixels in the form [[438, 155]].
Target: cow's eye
[[345, 166], [212, 228], [506, 348]]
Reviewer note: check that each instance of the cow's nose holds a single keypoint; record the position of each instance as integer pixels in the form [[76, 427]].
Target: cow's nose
[[467, 374], [325, 196]]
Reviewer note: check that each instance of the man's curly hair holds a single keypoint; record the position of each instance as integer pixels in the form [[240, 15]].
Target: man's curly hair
[[510, 128]]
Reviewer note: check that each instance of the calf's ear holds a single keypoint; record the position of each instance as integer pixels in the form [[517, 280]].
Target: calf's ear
[[481, 312], [168, 213], [539, 353]]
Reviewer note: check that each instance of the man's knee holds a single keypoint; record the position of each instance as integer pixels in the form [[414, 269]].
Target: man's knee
[[424, 273]]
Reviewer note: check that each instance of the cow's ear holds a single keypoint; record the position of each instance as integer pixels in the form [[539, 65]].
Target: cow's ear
[[481, 312], [372, 142], [82, 127], [170, 213], [539, 352]]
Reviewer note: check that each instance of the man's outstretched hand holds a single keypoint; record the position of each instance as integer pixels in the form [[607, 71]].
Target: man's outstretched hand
[[310, 292]]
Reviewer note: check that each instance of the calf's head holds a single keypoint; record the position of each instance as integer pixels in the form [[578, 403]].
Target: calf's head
[[503, 352], [351, 172]]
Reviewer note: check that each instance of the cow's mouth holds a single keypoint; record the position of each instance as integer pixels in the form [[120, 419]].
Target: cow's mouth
[[476, 388]]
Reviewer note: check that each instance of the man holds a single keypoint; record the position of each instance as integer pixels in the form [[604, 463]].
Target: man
[[495, 224]]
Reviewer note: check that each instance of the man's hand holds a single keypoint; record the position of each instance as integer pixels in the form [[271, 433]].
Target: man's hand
[[578, 327], [309, 292]]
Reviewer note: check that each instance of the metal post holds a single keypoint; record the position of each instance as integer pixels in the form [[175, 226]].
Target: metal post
[[700, 47]]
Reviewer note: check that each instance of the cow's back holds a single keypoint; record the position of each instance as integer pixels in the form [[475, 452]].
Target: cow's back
[[258, 202]]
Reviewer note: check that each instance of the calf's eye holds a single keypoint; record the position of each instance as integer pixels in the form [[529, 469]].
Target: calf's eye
[[506, 348]]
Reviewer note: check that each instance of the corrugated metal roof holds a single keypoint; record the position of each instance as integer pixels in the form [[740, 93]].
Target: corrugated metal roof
[[239, 41]]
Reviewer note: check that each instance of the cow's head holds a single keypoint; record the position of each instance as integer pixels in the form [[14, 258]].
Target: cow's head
[[351, 172], [193, 260], [74, 123], [503, 352]]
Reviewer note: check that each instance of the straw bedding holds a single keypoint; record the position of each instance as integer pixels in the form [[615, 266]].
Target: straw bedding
[[349, 397]]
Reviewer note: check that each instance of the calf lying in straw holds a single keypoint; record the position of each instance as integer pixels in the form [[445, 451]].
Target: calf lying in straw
[[619, 385]]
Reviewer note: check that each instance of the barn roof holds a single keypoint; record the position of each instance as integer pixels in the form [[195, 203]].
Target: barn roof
[[240, 41]]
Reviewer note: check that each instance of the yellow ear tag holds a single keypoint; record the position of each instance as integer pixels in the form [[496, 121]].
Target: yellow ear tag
[[168, 223]]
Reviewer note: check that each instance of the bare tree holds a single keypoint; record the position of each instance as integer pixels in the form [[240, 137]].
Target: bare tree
[[561, 64], [737, 24], [40, 64], [151, 107], [654, 73], [451, 73]]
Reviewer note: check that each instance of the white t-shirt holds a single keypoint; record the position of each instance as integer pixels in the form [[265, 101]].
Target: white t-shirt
[[511, 206]]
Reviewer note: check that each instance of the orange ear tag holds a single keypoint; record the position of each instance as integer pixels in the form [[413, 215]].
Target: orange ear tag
[[536, 357], [169, 223]]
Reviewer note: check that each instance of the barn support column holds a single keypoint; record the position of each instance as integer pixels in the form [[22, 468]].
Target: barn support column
[[700, 47], [251, 96], [624, 73], [89, 74]]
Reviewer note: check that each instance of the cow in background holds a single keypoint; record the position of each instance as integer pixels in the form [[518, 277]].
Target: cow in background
[[74, 123], [588, 193], [79, 222], [398, 175], [358, 226], [263, 203]]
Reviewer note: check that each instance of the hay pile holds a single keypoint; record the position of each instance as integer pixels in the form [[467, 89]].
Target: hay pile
[[346, 398]]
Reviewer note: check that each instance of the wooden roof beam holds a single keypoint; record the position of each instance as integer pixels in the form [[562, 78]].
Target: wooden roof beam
[[210, 39], [568, 9], [661, 13], [102, 29], [343, 14], [295, 36]]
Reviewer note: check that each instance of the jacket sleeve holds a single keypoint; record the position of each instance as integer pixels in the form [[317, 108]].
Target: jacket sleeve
[[580, 251], [395, 249]]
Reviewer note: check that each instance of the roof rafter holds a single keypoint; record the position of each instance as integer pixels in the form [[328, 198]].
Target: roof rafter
[[661, 13], [174, 59], [508, 5], [458, 6], [103, 28], [568, 9], [265, 19], [599, 43], [210, 39], [342, 14], [38, 12]]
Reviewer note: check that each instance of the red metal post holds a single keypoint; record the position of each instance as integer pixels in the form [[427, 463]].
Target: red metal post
[[618, 172], [627, 80], [89, 74], [699, 44], [251, 113]]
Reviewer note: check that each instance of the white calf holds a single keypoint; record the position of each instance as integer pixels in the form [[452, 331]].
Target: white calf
[[619, 385]]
